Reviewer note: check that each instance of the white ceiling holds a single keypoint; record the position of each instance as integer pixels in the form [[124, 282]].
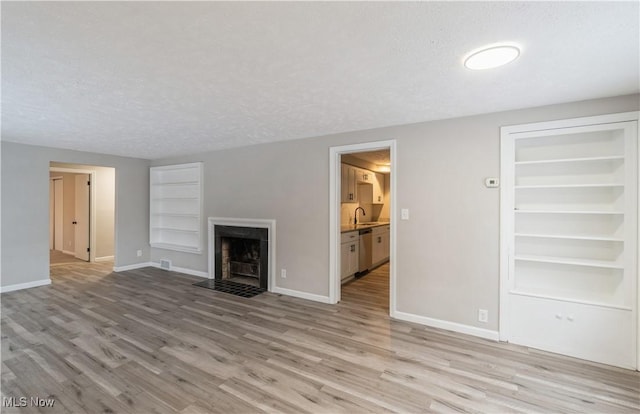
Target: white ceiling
[[155, 79]]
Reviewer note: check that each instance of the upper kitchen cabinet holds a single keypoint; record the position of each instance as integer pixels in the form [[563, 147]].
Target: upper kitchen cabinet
[[364, 176], [378, 188], [348, 184]]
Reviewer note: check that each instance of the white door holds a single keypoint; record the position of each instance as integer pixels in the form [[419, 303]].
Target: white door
[[81, 221], [58, 243]]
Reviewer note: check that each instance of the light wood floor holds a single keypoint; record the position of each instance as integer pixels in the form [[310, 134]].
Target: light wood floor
[[57, 258], [146, 341]]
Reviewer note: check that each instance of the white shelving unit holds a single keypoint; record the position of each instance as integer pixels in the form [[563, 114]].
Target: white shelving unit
[[176, 207], [569, 237]]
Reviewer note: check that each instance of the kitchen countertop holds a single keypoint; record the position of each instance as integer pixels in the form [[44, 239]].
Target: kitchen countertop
[[350, 227]]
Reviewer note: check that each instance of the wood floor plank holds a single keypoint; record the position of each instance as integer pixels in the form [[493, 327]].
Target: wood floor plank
[[147, 341]]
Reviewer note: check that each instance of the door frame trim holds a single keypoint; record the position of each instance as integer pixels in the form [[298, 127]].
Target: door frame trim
[[52, 209], [92, 205], [334, 216]]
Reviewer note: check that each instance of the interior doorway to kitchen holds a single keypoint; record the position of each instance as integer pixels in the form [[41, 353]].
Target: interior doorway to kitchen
[[362, 179]]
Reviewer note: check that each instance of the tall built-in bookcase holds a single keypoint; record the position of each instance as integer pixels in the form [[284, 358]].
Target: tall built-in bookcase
[[569, 236], [176, 207]]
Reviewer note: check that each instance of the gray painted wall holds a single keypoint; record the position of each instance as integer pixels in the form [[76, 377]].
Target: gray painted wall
[[448, 253], [25, 208]]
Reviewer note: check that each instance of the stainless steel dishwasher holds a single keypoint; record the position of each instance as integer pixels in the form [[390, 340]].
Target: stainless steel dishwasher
[[366, 244]]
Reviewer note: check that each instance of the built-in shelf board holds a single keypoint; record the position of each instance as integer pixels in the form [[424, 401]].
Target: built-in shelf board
[[176, 207], [603, 303], [569, 228], [570, 237], [176, 247], [178, 183], [175, 229], [571, 160], [595, 212], [176, 215], [175, 198], [570, 261], [563, 186]]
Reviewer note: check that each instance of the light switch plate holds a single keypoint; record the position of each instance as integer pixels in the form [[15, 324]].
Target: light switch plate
[[404, 214]]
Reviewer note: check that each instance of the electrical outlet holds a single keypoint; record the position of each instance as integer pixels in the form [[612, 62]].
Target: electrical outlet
[[492, 182], [483, 315], [404, 214], [139, 253], [283, 273]]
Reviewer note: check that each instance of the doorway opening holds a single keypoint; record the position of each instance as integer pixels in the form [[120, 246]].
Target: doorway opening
[[81, 214], [362, 232]]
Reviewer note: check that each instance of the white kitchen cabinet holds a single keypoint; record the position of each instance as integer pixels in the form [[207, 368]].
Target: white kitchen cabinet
[[569, 232], [348, 184], [176, 207], [378, 188], [380, 248], [349, 254], [386, 242], [364, 176]]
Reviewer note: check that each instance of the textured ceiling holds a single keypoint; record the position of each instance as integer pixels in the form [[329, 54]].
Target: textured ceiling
[[382, 157], [155, 79]]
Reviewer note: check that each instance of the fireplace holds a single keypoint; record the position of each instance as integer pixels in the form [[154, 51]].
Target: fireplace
[[242, 250], [242, 255]]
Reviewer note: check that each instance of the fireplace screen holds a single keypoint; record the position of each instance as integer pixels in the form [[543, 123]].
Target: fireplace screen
[[244, 269], [242, 255]]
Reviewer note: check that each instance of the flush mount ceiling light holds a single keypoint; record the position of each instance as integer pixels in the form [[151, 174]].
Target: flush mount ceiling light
[[492, 56]]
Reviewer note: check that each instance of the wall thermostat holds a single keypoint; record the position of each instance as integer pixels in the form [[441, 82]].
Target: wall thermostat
[[492, 182]]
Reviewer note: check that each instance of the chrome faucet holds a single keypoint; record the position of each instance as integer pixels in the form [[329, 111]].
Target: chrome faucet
[[355, 215]]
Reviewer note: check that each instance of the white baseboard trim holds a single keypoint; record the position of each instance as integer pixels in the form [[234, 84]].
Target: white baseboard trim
[[132, 267], [104, 259], [68, 252], [302, 295], [20, 286], [184, 270], [449, 326]]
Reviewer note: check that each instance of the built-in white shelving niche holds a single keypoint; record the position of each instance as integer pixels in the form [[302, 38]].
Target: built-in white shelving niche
[[569, 237], [176, 207]]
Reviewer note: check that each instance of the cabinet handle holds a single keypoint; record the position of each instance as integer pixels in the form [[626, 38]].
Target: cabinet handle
[[353, 247], [379, 239]]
